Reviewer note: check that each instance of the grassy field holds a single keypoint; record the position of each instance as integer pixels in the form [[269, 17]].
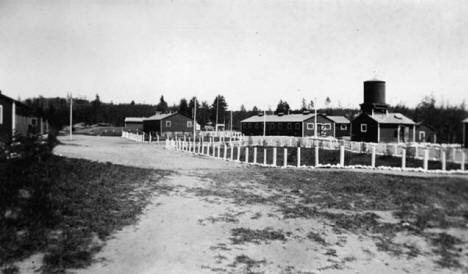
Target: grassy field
[[65, 208], [422, 207]]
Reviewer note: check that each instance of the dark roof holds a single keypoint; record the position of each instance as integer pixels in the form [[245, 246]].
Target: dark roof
[[392, 118]]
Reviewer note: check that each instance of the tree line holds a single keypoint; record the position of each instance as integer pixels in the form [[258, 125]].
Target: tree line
[[444, 118]]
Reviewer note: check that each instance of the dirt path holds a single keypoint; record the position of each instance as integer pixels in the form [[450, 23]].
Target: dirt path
[[197, 228]]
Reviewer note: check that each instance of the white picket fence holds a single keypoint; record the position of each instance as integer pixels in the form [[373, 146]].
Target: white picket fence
[[222, 150], [452, 152]]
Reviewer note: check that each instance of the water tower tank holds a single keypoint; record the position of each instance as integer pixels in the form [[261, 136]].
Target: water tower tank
[[374, 92]]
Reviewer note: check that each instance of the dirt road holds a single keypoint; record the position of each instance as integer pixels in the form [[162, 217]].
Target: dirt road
[[198, 227]]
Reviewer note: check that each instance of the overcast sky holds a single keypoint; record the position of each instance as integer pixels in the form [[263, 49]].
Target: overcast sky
[[253, 52]]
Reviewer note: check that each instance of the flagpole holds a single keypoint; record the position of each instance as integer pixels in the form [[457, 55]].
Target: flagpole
[[194, 120]]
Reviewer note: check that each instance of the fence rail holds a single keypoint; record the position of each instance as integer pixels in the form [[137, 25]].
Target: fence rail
[[411, 152], [313, 157]]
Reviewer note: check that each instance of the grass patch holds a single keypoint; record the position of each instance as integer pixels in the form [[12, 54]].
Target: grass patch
[[257, 236], [247, 263], [419, 203], [67, 207]]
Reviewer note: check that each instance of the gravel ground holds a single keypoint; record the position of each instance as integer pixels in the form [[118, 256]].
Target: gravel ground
[[193, 230]]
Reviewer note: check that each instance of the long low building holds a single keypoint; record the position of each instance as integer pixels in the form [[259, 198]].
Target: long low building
[[17, 119], [296, 125], [162, 124]]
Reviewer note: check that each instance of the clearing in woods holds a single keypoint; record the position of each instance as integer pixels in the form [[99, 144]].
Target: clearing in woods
[[221, 217]]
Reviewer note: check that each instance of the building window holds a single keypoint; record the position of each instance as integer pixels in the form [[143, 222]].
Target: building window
[[280, 125], [189, 123], [33, 121], [310, 126], [326, 126], [168, 123], [363, 127], [343, 127], [272, 125], [289, 125], [297, 126], [1, 114], [256, 125], [422, 136]]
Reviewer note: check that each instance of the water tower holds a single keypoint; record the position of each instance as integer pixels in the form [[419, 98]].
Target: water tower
[[374, 97]]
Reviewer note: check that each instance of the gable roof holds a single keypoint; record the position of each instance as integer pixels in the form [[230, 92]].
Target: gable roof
[[277, 118], [338, 119], [134, 119], [159, 116], [391, 118]]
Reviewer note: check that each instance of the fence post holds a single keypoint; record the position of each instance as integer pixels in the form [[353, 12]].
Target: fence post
[[443, 159], [373, 156], [255, 155], [342, 155], [274, 156], [285, 157], [225, 152], [298, 156], [462, 162], [426, 156], [264, 156], [316, 155], [150, 138], [238, 153], [232, 152], [157, 138], [403, 158], [219, 150], [246, 154]]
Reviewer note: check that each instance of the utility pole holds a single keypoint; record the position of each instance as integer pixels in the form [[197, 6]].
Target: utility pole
[[231, 121], [194, 120], [315, 117], [71, 116]]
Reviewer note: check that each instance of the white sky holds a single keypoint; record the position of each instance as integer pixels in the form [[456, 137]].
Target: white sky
[[253, 52]]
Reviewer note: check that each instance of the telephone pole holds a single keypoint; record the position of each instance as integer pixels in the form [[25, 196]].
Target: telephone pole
[[194, 120], [71, 116]]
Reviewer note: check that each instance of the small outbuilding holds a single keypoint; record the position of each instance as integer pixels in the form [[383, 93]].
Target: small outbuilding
[[425, 133]]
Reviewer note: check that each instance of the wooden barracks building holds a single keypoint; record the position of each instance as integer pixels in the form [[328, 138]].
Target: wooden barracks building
[[163, 124], [296, 125], [376, 123], [17, 119]]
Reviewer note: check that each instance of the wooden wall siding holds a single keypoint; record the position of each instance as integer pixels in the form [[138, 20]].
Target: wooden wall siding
[[370, 135], [133, 125], [152, 126], [388, 133], [272, 128], [342, 132], [320, 129], [429, 134], [5, 127], [178, 124]]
